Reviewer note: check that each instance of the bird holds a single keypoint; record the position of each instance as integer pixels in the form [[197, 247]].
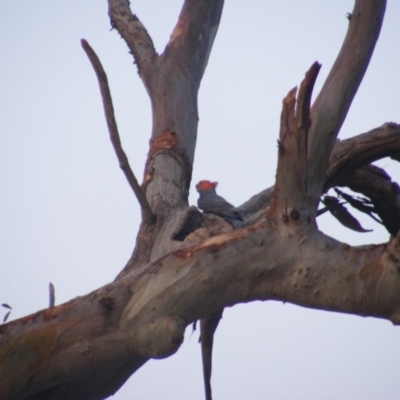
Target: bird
[[210, 202]]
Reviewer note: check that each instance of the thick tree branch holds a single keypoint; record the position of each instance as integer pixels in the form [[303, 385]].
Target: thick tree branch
[[194, 34], [148, 216], [360, 150], [173, 85], [330, 107], [144, 315], [133, 32]]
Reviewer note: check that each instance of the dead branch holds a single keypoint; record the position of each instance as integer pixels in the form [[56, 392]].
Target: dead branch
[[147, 213], [133, 32], [340, 212], [360, 150], [208, 326], [291, 178], [384, 194], [52, 295], [330, 107]]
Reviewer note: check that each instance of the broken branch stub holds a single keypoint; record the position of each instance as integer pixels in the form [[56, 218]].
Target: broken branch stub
[[291, 187]]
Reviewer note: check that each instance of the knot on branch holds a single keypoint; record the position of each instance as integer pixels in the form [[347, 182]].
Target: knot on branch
[[162, 338], [294, 214], [107, 304]]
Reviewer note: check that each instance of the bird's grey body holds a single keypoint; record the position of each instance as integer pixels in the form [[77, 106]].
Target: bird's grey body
[[210, 202]]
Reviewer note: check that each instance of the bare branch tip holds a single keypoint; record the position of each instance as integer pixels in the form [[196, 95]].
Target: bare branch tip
[[86, 46], [312, 73], [291, 96]]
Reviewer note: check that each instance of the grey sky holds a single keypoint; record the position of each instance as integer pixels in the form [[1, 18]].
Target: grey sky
[[68, 216]]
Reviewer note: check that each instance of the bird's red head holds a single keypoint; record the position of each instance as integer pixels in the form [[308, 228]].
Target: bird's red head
[[206, 185]]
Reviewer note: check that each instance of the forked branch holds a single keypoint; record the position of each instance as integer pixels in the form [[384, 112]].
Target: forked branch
[[148, 215]]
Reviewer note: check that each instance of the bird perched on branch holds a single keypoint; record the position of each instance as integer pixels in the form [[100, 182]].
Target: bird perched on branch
[[210, 202]]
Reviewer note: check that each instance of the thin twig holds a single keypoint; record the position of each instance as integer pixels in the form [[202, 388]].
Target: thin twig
[[148, 215]]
